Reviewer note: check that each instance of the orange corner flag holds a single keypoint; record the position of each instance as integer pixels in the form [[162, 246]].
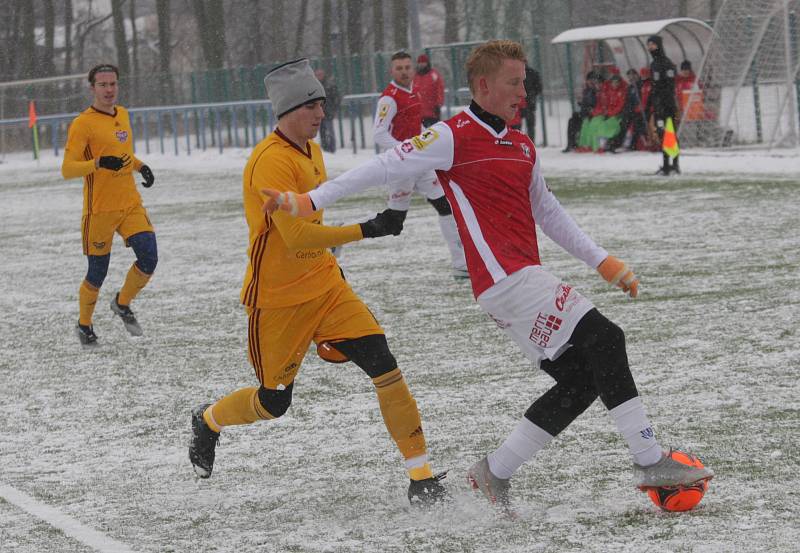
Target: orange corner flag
[[670, 143], [31, 114]]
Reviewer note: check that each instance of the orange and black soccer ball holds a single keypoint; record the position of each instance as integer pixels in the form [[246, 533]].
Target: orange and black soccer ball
[[680, 498]]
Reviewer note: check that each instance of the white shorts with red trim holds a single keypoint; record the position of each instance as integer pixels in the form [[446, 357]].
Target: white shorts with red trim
[[537, 310]]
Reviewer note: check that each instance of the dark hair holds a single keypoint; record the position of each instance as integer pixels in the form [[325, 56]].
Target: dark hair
[[686, 64], [102, 68], [400, 55]]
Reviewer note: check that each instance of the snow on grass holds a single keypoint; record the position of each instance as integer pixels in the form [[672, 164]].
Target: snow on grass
[[102, 436]]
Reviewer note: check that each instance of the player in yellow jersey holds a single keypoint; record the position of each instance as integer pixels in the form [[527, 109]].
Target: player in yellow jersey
[[294, 292], [100, 149]]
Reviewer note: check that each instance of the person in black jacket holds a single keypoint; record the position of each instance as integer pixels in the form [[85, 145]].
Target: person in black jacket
[[327, 136], [662, 98], [585, 106], [533, 88]]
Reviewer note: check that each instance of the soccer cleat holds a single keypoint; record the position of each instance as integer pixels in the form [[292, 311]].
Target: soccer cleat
[[203, 446], [495, 489], [669, 472], [428, 491], [86, 335], [127, 316], [460, 274]]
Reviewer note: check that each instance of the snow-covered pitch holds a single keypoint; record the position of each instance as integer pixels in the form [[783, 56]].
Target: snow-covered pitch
[[93, 447]]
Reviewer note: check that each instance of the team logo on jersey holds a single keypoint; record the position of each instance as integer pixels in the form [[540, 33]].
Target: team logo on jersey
[[425, 139], [543, 328], [383, 112], [407, 147], [462, 123], [122, 136], [525, 149], [501, 142]]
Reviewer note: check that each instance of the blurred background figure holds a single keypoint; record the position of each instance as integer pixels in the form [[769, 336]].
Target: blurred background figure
[[429, 87], [585, 106], [327, 137], [533, 88]]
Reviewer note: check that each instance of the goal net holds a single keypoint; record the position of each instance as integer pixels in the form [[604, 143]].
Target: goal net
[[748, 86]]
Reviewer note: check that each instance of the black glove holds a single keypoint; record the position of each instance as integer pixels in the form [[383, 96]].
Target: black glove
[[114, 163], [147, 174], [389, 221]]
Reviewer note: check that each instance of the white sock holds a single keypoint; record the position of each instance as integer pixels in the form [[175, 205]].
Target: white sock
[[635, 427], [450, 232], [525, 441]]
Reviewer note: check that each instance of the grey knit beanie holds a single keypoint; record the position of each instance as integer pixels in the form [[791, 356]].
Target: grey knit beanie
[[291, 85]]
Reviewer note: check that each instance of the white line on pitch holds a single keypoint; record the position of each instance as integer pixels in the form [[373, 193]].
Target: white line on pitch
[[63, 522]]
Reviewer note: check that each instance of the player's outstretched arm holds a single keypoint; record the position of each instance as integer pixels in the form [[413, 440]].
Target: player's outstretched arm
[[617, 273], [298, 205]]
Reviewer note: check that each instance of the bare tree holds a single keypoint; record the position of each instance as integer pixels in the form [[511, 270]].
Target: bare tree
[[400, 23], [355, 37], [488, 19], [164, 47], [120, 40], [48, 56], [512, 19], [327, 35], [210, 18], [27, 65], [451, 21], [377, 23], [277, 19], [301, 28], [68, 18]]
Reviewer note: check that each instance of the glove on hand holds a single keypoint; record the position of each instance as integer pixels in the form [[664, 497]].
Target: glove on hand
[[148, 176], [617, 273], [114, 163], [389, 221], [299, 205]]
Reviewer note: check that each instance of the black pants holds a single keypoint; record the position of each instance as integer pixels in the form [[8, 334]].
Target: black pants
[[574, 130], [595, 365], [327, 138]]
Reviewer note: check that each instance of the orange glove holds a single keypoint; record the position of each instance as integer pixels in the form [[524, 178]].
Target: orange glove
[[617, 273], [299, 205]]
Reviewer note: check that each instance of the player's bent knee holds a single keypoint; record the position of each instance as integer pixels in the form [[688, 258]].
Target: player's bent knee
[[275, 402], [146, 249], [441, 205], [98, 269], [371, 353]]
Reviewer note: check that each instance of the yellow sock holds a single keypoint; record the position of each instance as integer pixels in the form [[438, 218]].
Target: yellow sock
[[401, 416], [240, 407], [134, 282], [87, 299]]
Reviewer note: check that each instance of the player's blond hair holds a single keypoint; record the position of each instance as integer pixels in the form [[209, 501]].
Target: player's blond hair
[[486, 59]]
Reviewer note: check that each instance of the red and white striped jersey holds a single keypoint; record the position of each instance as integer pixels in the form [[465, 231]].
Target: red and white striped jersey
[[397, 117], [494, 184]]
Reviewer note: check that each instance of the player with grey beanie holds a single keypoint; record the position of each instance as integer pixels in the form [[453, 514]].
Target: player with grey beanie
[[292, 85]]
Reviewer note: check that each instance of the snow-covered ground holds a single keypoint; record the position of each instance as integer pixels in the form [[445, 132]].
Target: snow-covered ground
[[96, 442]]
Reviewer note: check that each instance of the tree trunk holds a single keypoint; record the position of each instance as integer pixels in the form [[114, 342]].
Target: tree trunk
[[277, 19], [327, 16], [450, 21], [301, 29], [255, 52], [210, 17], [164, 48], [133, 83], [120, 40], [68, 18], [377, 23], [47, 63], [512, 19], [400, 23], [27, 66], [355, 34], [488, 20]]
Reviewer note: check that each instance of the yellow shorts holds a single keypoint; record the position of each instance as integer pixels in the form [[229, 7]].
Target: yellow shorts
[[98, 228], [277, 339]]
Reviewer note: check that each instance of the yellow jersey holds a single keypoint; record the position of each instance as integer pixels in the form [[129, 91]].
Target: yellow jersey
[[289, 258], [92, 134]]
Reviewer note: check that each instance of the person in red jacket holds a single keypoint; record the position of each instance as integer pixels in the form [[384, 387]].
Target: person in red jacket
[[429, 86], [605, 123]]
